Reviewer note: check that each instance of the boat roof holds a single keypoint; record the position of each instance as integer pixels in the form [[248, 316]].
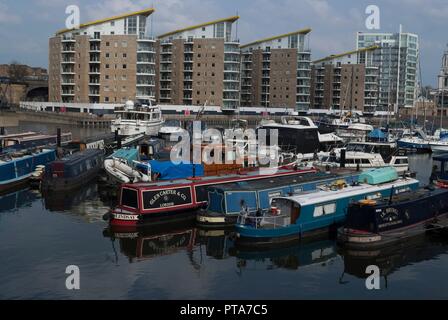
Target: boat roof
[[124, 153], [273, 182], [211, 178], [79, 156], [411, 195], [324, 196]]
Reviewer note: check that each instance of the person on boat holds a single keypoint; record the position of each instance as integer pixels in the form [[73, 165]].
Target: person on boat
[[434, 177], [332, 156]]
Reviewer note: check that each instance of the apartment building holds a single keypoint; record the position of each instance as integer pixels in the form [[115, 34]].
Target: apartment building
[[105, 61], [199, 64], [347, 81], [397, 60], [275, 72]]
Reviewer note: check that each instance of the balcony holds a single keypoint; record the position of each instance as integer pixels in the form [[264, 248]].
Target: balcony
[[68, 92], [68, 61], [95, 61]]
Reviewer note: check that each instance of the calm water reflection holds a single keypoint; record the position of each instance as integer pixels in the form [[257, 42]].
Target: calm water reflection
[[41, 236]]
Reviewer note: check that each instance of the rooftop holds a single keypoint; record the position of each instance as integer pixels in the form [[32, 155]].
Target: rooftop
[[335, 56], [145, 12], [302, 31], [229, 19]]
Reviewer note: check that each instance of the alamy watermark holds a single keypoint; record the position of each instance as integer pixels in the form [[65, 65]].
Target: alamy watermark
[[249, 147], [373, 20], [373, 280], [73, 281], [73, 20]]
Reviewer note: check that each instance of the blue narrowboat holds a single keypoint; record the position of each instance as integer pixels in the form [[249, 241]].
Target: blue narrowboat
[[384, 222], [295, 217], [16, 168], [73, 170], [226, 200]]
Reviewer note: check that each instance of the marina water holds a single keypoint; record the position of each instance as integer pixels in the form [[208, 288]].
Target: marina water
[[41, 235]]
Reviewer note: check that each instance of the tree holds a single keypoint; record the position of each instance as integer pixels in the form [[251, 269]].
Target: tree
[[17, 71]]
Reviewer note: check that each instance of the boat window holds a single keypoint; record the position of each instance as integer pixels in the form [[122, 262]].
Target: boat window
[[324, 210], [365, 161], [129, 198]]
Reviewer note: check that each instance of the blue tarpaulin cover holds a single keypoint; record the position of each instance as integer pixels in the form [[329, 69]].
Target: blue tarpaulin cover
[[169, 170], [377, 134]]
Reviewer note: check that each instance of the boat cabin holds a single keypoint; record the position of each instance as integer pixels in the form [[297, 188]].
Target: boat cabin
[[231, 198], [440, 168]]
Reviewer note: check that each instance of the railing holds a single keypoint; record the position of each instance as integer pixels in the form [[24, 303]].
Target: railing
[[264, 220]]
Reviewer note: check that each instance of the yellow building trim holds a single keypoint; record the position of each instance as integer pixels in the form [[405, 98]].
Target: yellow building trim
[[145, 12], [229, 19], [302, 31], [335, 56]]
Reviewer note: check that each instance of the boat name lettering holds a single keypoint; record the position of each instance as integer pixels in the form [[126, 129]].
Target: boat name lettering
[[167, 193]]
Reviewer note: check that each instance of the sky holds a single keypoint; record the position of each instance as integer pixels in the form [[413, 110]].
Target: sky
[[26, 25]]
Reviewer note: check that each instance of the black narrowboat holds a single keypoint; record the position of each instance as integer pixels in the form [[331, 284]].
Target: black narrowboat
[[73, 171], [380, 223]]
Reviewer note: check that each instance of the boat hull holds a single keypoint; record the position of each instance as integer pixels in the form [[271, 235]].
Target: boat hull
[[415, 146], [384, 224]]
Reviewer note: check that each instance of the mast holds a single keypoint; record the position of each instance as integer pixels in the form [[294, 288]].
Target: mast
[[398, 69]]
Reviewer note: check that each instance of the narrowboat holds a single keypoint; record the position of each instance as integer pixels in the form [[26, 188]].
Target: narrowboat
[[163, 199], [292, 218], [386, 221], [73, 170], [31, 141], [16, 168], [225, 201]]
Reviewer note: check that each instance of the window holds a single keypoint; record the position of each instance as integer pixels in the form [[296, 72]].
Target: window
[[324, 210], [107, 55], [125, 66], [131, 25], [112, 32], [106, 77], [203, 28], [107, 66], [107, 44], [125, 55], [124, 44], [106, 99], [112, 23]]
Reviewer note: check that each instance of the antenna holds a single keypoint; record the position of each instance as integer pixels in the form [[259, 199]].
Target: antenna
[[236, 26]]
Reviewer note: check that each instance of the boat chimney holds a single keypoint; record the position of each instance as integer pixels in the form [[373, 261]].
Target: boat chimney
[[116, 135], [119, 143], [342, 158], [58, 138]]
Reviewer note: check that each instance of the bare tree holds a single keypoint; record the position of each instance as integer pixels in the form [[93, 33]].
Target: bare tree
[[17, 71]]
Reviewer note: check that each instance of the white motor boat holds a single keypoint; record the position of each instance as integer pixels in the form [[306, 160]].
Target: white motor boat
[[361, 160], [134, 120]]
